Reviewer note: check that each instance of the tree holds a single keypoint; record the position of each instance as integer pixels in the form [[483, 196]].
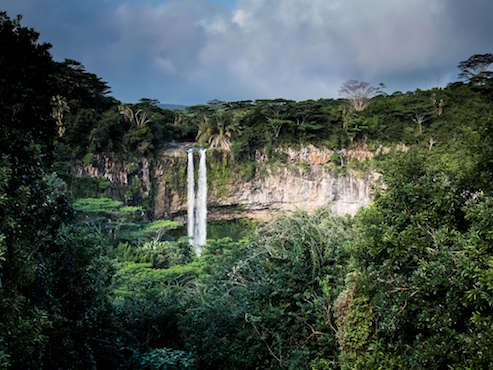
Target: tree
[[137, 118], [357, 126], [52, 276], [475, 69], [60, 107], [417, 297], [359, 93], [275, 113], [420, 117], [217, 124], [81, 89]]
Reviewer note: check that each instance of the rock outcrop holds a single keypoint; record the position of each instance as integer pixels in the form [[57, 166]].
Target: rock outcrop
[[120, 174], [305, 180], [301, 188]]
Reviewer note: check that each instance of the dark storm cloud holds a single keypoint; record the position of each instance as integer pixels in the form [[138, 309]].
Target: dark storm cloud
[[191, 51]]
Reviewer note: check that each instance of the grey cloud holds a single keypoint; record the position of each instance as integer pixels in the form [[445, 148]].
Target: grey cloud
[[192, 51], [305, 49]]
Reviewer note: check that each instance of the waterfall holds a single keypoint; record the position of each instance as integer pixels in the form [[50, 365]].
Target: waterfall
[[201, 203], [197, 207], [190, 197]]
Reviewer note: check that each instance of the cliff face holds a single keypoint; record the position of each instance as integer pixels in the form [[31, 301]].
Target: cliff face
[[304, 180], [295, 188], [121, 175]]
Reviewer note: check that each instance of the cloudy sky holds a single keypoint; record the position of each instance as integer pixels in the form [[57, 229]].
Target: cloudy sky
[[192, 51]]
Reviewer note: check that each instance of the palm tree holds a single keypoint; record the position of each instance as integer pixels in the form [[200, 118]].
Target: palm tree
[[226, 124], [221, 139], [217, 125], [139, 118]]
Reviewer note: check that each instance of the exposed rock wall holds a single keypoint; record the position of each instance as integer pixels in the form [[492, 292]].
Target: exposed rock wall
[[120, 174], [305, 181], [307, 189]]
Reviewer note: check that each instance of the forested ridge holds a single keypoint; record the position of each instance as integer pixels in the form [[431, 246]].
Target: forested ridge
[[87, 281]]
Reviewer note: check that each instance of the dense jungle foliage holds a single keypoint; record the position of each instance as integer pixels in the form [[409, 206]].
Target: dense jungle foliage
[[90, 282]]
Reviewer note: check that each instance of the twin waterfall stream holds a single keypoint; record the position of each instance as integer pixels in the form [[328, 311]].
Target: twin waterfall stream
[[197, 205]]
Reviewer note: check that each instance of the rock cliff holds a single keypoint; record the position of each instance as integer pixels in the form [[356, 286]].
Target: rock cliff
[[303, 180]]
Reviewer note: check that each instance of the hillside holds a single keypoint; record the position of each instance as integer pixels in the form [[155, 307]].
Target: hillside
[[265, 142]]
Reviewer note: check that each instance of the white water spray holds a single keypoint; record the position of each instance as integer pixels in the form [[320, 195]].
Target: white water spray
[[202, 203], [190, 197], [197, 208]]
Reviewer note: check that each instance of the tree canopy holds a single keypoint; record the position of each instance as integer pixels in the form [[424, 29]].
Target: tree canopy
[[89, 281]]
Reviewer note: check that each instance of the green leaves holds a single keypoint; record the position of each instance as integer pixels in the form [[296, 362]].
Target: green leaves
[[274, 293], [165, 358], [423, 258], [97, 205]]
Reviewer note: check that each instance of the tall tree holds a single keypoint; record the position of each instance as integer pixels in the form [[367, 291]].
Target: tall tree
[[359, 93], [50, 278], [475, 69]]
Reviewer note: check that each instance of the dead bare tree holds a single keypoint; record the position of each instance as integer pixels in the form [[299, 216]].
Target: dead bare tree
[[440, 107], [431, 142], [359, 93], [59, 107], [419, 119]]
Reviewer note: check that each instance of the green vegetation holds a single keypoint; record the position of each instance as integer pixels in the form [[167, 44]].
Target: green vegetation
[[238, 133], [87, 281], [234, 229], [263, 125], [160, 225], [100, 205]]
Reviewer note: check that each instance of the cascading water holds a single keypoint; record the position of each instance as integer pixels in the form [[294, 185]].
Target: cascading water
[[202, 203], [197, 207], [190, 197]]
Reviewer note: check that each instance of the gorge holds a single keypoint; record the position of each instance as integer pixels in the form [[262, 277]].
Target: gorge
[[305, 180], [134, 236]]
